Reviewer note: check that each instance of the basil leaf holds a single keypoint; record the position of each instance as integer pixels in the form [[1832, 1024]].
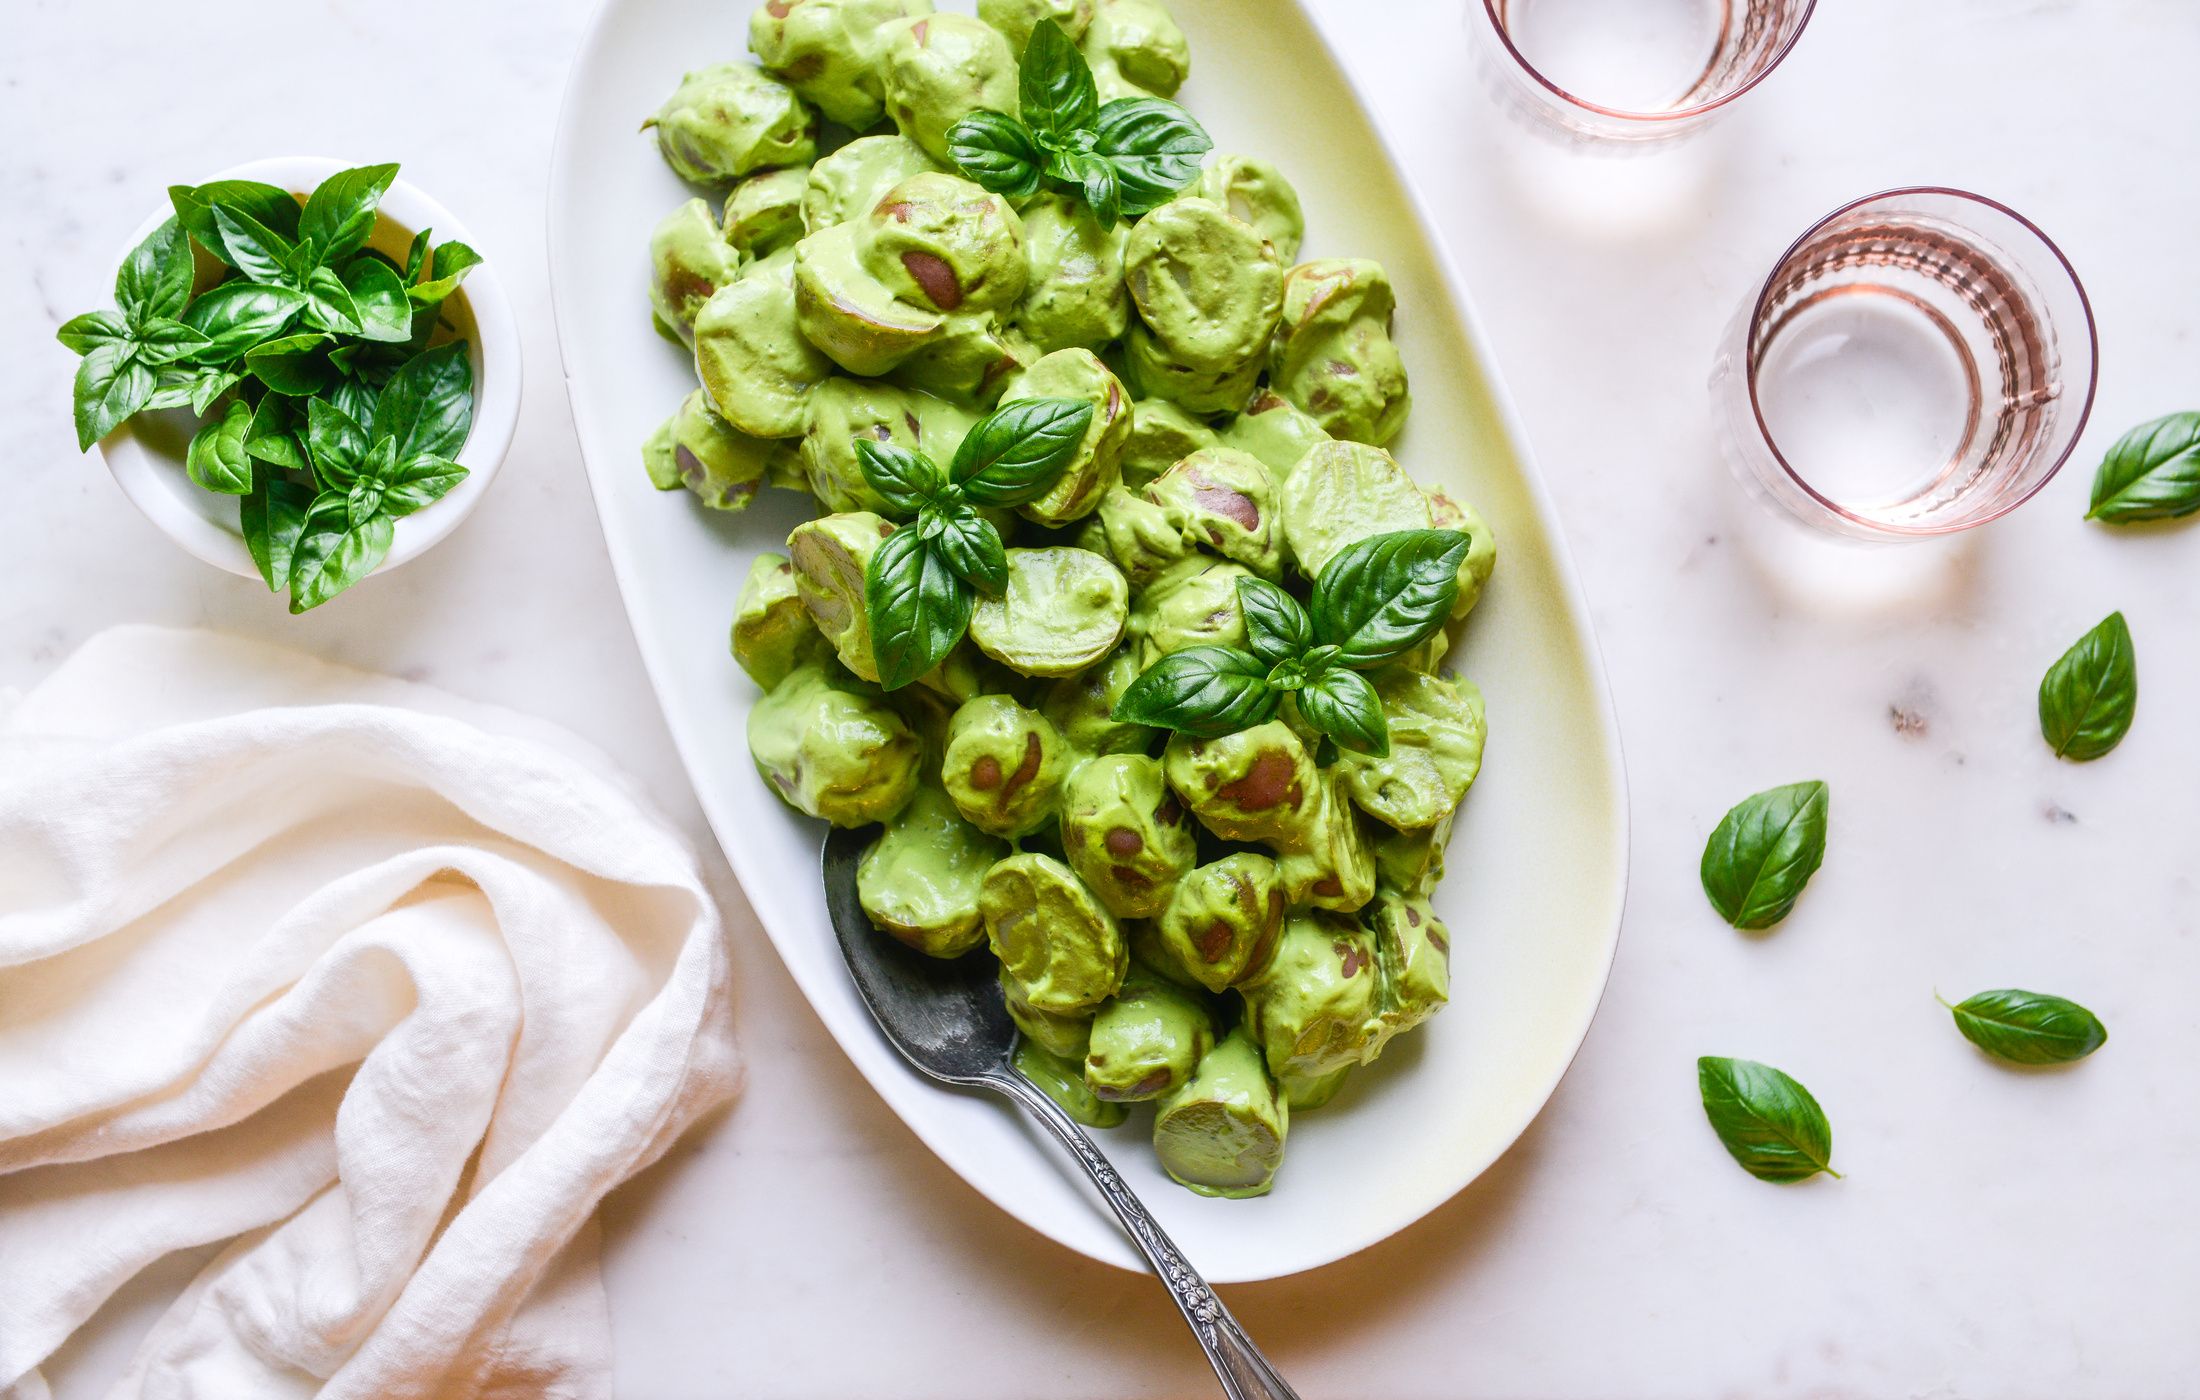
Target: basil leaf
[[2029, 1028], [333, 553], [422, 481], [336, 442], [1387, 594], [997, 152], [972, 548], [2087, 698], [111, 384], [428, 405], [160, 340], [352, 394], [273, 517], [1153, 147], [1014, 453], [1204, 691], [1276, 627], [450, 261], [258, 252], [236, 316], [918, 609], [155, 279], [1342, 705], [1098, 185], [216, 458], [206, 385], [1768, 1122], [364, 501], [293, 364], [93, 328], [339, 214], [378, 300], [907, 481], [1055, 91], [271, 438], [2152, 473], [416, 257], [328, 303], [1763, 852], [270, 206]]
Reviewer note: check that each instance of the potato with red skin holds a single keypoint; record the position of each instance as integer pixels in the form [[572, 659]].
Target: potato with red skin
[[828, 51], [940, 242], [1328, 863], [689, 260], [833, 747], [1004, 765], [1333, 355], [772, 632], [698, 449], [934, 70], [1314, 1007], [919, 880], [1224, 500], [1449, 513], [1146, 1039], [830, 555], [1098, 465], [1339, 494], [1081, 708], [1193, 602], [764, 212], [1413, 956], [729, 119], [1275, 430], [1258, 784], [843, 186], [1222, 922], [1052, 934], [1162, 435], [1125, 834], [751, 354]]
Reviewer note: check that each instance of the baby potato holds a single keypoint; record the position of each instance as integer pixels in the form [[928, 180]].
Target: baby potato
[[1063, 610], [698, 449], [729, 119], [1063, 1080], [841, 410], [772, 631], [1081, 708], [1146, 1040], [1333, 355], [1222, 921], [1136, 50], [1125, 834], [1224, 500], [1413, 960], [1193, 602], [833, 747], [1257, 784], [1481, 561], [764, 212], [750, 352], [1341, 493], [1004, 765], [1327, 863], [1098, 465], [828, 51], [1437, 726], [919, 880], [844, 185], [1074, 295], [1051, 934], [1254, 192], [1275, 430], [1162, 435], [934, 70], [830, 555], [1222, 1133], [1065, 1034], [689, 260], [1313, 1008], [854, 318]]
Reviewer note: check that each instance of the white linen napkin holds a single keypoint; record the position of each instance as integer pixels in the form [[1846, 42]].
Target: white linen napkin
[[387, 988]]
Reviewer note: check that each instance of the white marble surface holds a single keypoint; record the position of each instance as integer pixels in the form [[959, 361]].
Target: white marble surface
[[1998, 1234]]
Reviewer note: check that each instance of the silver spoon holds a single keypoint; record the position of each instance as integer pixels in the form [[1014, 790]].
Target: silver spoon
[[947, 1019]]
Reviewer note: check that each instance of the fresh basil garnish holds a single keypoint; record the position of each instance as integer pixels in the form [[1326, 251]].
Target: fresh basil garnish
[[2152, 473], [1015, 454], [1386, 595], [1767, 1122], [2087, 698], [1206, 691], [1121, 159], [918, 606], [1342, 705], [1763, 852], [2028, 1028]]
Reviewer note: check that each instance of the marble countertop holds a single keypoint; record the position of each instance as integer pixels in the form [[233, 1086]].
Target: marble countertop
[[1998, 1234]]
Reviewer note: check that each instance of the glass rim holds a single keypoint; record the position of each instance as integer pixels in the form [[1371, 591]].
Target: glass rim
[[1671, 114], [1764, 296]]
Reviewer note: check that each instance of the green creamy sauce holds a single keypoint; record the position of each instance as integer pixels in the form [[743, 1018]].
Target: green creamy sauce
[[1222, 927]]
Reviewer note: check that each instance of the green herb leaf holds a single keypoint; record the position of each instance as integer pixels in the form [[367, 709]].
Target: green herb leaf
[[269, 206], [428, 405], [337, 444], [972, 548], [160, 340], [296, 365], [258, 252], [1386, 594], [2087, 698], [271, 438], [1015, 453], [328, 303], [273, 518], [1097, 183], [416, 257], [111, 384], [1342, 705], [1276, 627], [918, 608], [1763, 852], [339, 214], [216, 458], [378, 299], [236, 316], [2029, 1028], [997, 152], [1768, 1122], [1205, 691], [450, 262], [93, 328], [155, 279], [1056, 94], [907, 481], [409, 486], [333, 553], [364, 501], [2152, 473], [204, 385], [1153, 147]]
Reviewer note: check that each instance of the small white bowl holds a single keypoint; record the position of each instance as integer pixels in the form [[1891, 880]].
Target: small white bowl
[[145, 453]]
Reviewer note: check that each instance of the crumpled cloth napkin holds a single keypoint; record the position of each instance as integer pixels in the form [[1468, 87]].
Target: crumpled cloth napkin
[[386, 988]]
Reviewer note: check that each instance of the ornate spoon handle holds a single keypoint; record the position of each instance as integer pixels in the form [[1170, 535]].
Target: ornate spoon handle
[[1244, 1372]]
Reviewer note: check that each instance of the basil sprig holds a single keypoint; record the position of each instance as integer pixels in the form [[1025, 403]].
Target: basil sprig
[[921, 583], [1121, 159], [2088, 697], [1763, 852], [1379, 598], [1767, 1121], [2028, 1028], [2152, 473], [325, 411]]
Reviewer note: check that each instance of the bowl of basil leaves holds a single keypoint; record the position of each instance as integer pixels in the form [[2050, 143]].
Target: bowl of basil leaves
[[308, 373]]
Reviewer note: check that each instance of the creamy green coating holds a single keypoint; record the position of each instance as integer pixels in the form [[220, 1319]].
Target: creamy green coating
[[764, 212], [1255, 193], [841, 410], [1017, 18], [966, 673], [1098, 465], [1208, 287], [1222, 1134], [1074, 295], [1313, 1007], [850, 315], [729, 119], [1333, 354], [1152, 372], [750, 356], [1137, 535], [830, 555], [1162, 435], [688, 261], [941, 242], [1004, 765], [972, 357], [1063, 1081], [1328, 862], [1341, 493], [1136, 50], [1258, 784], [772, 631], [1413, 960], [1275, 430], [833, 747], [1080, 707], [920, 880], [1410, 862], [1303, 1092], [1147, 1039], [1222, 921], [844, 185], [1193, 602], [938, 69], [1063, 609], [1481, 560], [1224, 500], [1125, 833], [1437, 727], [1058, 1033], [828, 51], [697, 449], [1051, 934]]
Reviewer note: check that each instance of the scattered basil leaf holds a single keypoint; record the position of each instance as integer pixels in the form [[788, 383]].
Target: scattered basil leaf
[[428, 405], [996, 151], [339, 214], [1206, 691], [2152, 473], [216, 457], [236, 316], [1152, 147], [271, 207], [1343, 706], [378, 299], [296, 365], [333, 553], [111, 384], [972, 548], [408, 486], [81, 333], [2029, 1028], [1767, 1122], [918, 609], [1014, 454], [258, 252], [1387, 594], [155, 279], [2088, 697], [1276, 627], [1055, 91], [273, 516], [1763, 852], [907, 481], [450, 262]]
